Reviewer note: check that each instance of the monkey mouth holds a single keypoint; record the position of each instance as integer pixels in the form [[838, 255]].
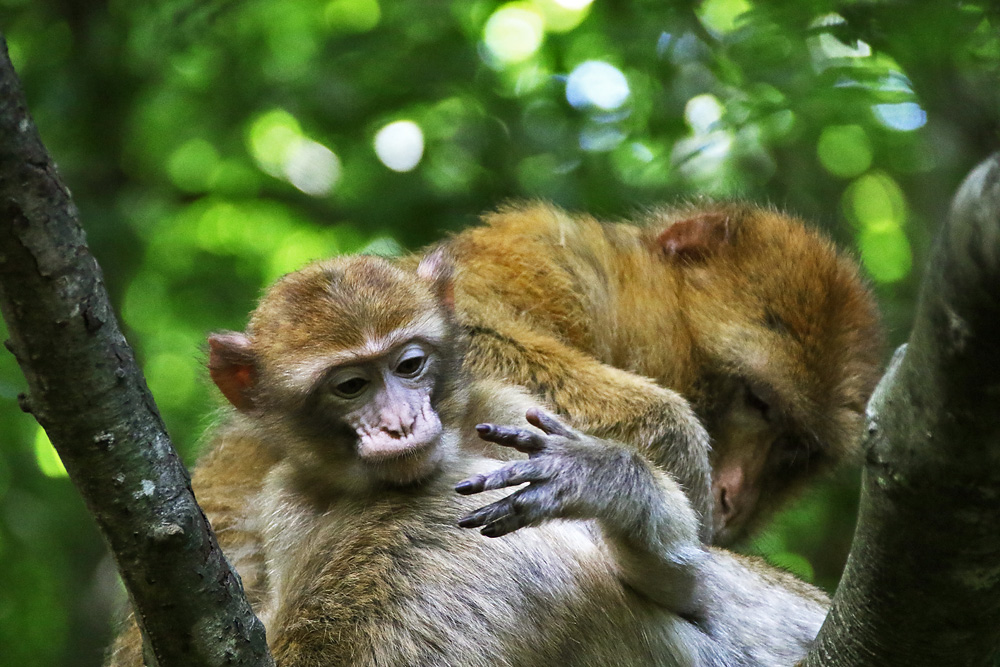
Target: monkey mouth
[[389, 444], [387, 447], [398, 435]]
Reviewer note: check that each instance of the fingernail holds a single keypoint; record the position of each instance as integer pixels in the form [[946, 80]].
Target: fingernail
[[483, 428], [465, 487], [466, 522]]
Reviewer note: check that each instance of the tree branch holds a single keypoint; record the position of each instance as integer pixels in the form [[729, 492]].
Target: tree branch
[[90, 396], [922, 583]]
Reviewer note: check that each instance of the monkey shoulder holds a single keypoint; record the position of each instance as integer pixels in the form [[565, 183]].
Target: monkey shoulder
[[531, 261]]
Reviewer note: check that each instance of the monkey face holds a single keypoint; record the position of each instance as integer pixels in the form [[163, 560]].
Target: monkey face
[[385, 402], [761, 456], [344, 370]]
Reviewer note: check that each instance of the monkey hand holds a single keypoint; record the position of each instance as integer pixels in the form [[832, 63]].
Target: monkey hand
[[569, 475]]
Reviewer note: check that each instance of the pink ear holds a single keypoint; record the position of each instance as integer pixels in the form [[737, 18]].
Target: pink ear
[[695, 238], [437, 268], [231, 366]]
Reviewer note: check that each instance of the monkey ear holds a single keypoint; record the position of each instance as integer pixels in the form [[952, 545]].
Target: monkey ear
[[231, 366], [695, 238], [438, 268]]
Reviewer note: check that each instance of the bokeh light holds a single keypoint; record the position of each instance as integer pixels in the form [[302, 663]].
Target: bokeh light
[[886, 254], [904, 116], [844, 150], [722, 16], [703, 156], [875, 200], [280, 149], [514, 32], [702, 113], [352, 15], [272, 135], [312, 167], [400, 145], [595, 83], [560, 16], [876, 204]]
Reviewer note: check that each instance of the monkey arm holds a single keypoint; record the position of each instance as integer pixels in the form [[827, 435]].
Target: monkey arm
[[601, 400], [651, 531], [227, 479], [735, 605], [649, 525]]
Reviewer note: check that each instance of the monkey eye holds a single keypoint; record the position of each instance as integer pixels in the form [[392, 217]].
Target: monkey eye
[[792, 453], [755, 402], [350, 388], [411, 364]]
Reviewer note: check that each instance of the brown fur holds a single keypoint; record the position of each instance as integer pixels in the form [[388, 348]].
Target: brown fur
[[599, 319], [590, 315], [363, 573]]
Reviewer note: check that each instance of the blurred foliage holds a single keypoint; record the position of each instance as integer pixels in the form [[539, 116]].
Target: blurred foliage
[[212, 146]]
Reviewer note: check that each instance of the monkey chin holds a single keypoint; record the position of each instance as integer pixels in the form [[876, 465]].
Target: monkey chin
[[727, 535]]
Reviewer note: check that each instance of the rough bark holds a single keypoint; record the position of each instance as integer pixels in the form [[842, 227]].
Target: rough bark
[[922, 583], [90, 396]]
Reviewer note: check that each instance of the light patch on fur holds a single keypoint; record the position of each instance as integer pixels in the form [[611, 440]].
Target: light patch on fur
[[579, 538], [428, 326], [286, 528]]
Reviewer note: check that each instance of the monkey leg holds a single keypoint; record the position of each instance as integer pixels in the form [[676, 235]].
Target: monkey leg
[[604, 401]]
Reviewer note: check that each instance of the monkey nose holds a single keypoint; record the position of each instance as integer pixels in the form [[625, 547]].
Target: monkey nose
[[723, 504], [729, 505], [728, 486], [725, 518]]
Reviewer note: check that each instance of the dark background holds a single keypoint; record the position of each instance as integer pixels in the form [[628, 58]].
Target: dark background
[[213, 146]]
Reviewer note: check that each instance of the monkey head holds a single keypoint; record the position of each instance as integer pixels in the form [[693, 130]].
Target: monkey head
[[788, 358], [350, 370]]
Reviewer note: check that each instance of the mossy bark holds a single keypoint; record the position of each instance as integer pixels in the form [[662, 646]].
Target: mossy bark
[[89, 394], [922, 583]]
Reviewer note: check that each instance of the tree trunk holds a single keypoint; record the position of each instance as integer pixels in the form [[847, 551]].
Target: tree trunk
[[922, 583], [90, 396]]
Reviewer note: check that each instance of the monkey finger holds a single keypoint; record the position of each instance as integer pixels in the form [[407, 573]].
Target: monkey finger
[[503, 526], [520, 439], [511, 474], [488, 514], [549, 424]]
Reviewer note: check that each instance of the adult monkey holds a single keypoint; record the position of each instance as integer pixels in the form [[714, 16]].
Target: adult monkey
[[350, 375], [757, 320]]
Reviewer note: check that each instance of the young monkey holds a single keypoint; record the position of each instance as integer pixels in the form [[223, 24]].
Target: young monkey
[[350, 374], [757, 320]]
